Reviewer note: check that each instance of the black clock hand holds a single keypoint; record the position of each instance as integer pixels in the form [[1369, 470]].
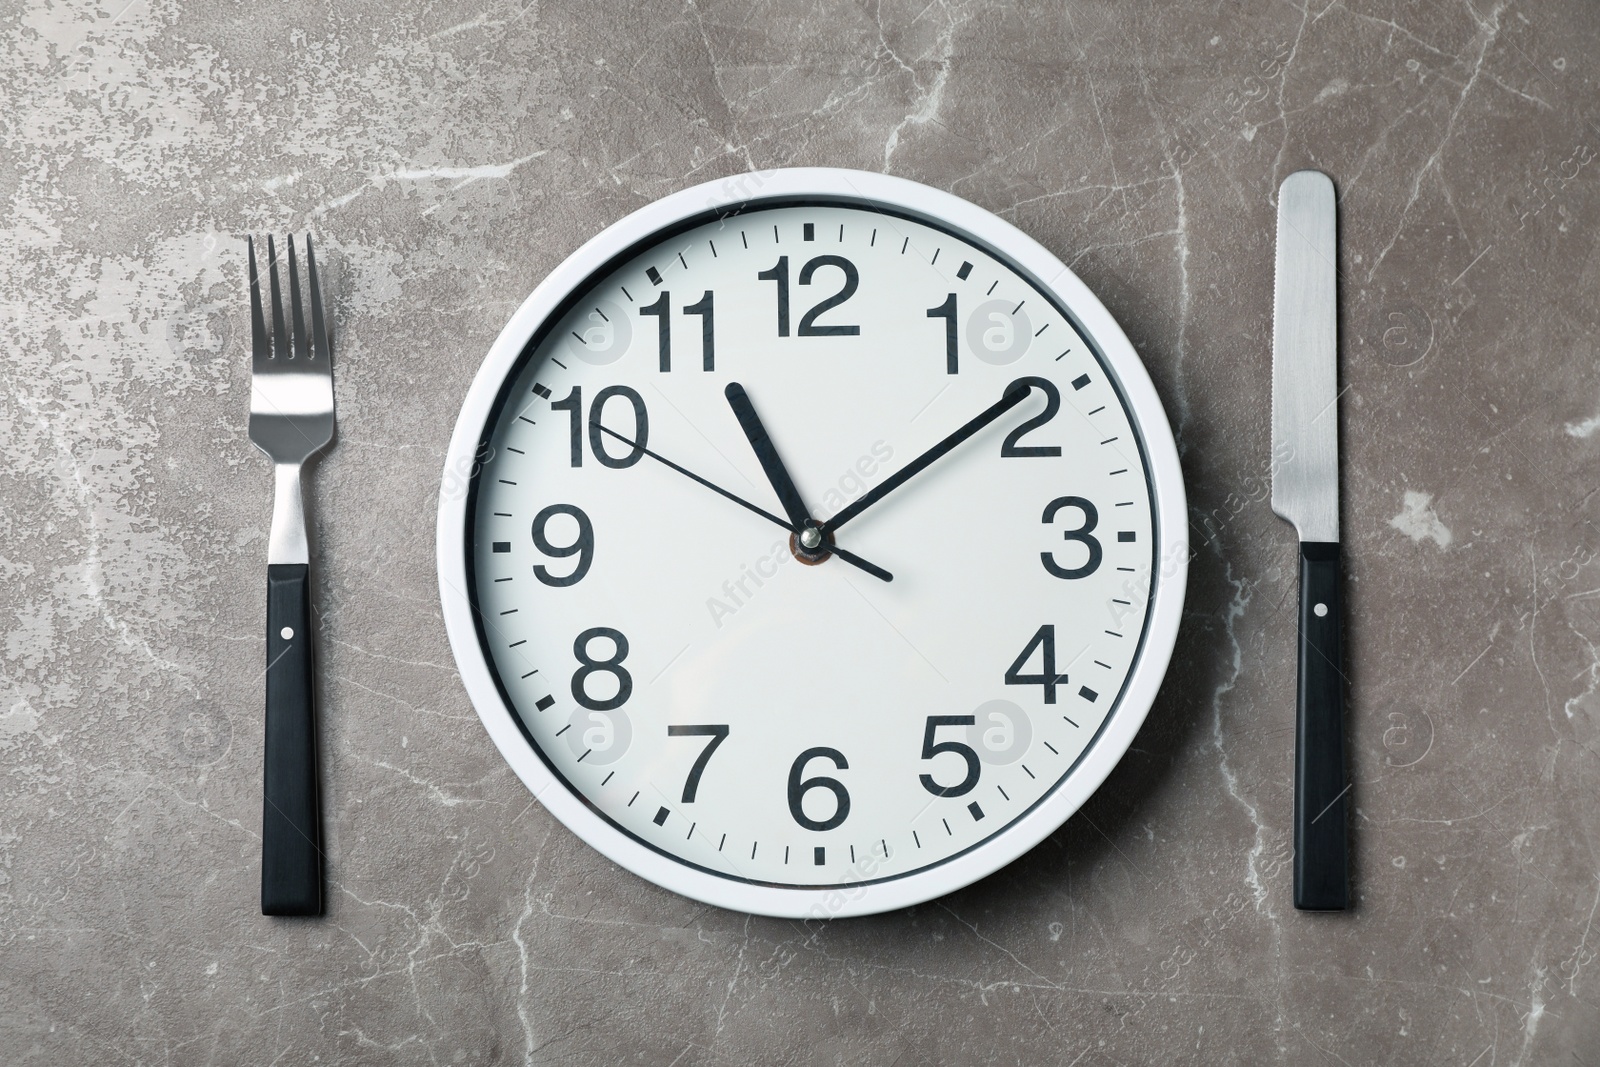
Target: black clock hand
[[916, 466], [767, 453], [765, 514], [855, 560], [849, 557]]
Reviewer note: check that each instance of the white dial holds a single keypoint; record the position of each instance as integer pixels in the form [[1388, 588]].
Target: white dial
[[718, 614]]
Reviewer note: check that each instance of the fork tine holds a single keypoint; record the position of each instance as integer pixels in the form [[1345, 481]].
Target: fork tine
[[258, 325], [319, 326], [280, 334], [302, 342]]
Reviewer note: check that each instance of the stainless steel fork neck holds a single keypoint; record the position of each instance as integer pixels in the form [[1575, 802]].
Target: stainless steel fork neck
[[287, 544]]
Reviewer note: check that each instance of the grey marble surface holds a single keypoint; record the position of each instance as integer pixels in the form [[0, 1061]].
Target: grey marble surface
[[447, 155]]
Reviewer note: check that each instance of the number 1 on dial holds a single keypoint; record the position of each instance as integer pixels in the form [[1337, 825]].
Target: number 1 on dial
[[947, 312]]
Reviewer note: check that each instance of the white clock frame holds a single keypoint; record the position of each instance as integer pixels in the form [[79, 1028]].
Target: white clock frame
[[1116, 355]]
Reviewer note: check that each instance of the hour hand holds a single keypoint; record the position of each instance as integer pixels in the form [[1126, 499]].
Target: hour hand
[[777, 474]]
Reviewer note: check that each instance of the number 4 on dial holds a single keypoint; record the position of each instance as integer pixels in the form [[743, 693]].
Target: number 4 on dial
[[1045, 639]]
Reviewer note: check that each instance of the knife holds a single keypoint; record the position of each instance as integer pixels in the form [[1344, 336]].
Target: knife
[[1305, 492]]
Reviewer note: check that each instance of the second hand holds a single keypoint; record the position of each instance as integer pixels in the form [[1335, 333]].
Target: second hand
[[849, 557]]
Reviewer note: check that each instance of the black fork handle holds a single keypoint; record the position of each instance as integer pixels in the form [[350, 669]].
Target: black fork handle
[[291, 822]]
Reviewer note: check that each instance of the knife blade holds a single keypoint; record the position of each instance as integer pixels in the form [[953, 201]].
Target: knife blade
[[1305, 492]]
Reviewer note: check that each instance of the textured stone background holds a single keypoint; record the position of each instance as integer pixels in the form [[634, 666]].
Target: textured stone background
[[447, 155]]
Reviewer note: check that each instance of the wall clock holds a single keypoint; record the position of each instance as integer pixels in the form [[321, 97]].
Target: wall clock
[[812, 543]]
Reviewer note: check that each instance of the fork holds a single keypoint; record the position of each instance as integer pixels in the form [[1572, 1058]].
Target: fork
[[291, 419]]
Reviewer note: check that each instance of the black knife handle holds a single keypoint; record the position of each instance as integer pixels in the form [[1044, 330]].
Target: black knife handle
[[1321, 842], [291, 821]]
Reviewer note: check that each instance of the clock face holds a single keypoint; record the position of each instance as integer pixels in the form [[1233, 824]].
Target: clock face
[[748, 657]]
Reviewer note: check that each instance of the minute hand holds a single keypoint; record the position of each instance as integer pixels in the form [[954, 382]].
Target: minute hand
[[916, 466]]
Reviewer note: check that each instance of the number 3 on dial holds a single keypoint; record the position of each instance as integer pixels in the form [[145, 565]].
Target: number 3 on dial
[[1083, 535]]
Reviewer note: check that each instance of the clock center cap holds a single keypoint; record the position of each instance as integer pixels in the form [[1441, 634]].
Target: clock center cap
[[810, 545]]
